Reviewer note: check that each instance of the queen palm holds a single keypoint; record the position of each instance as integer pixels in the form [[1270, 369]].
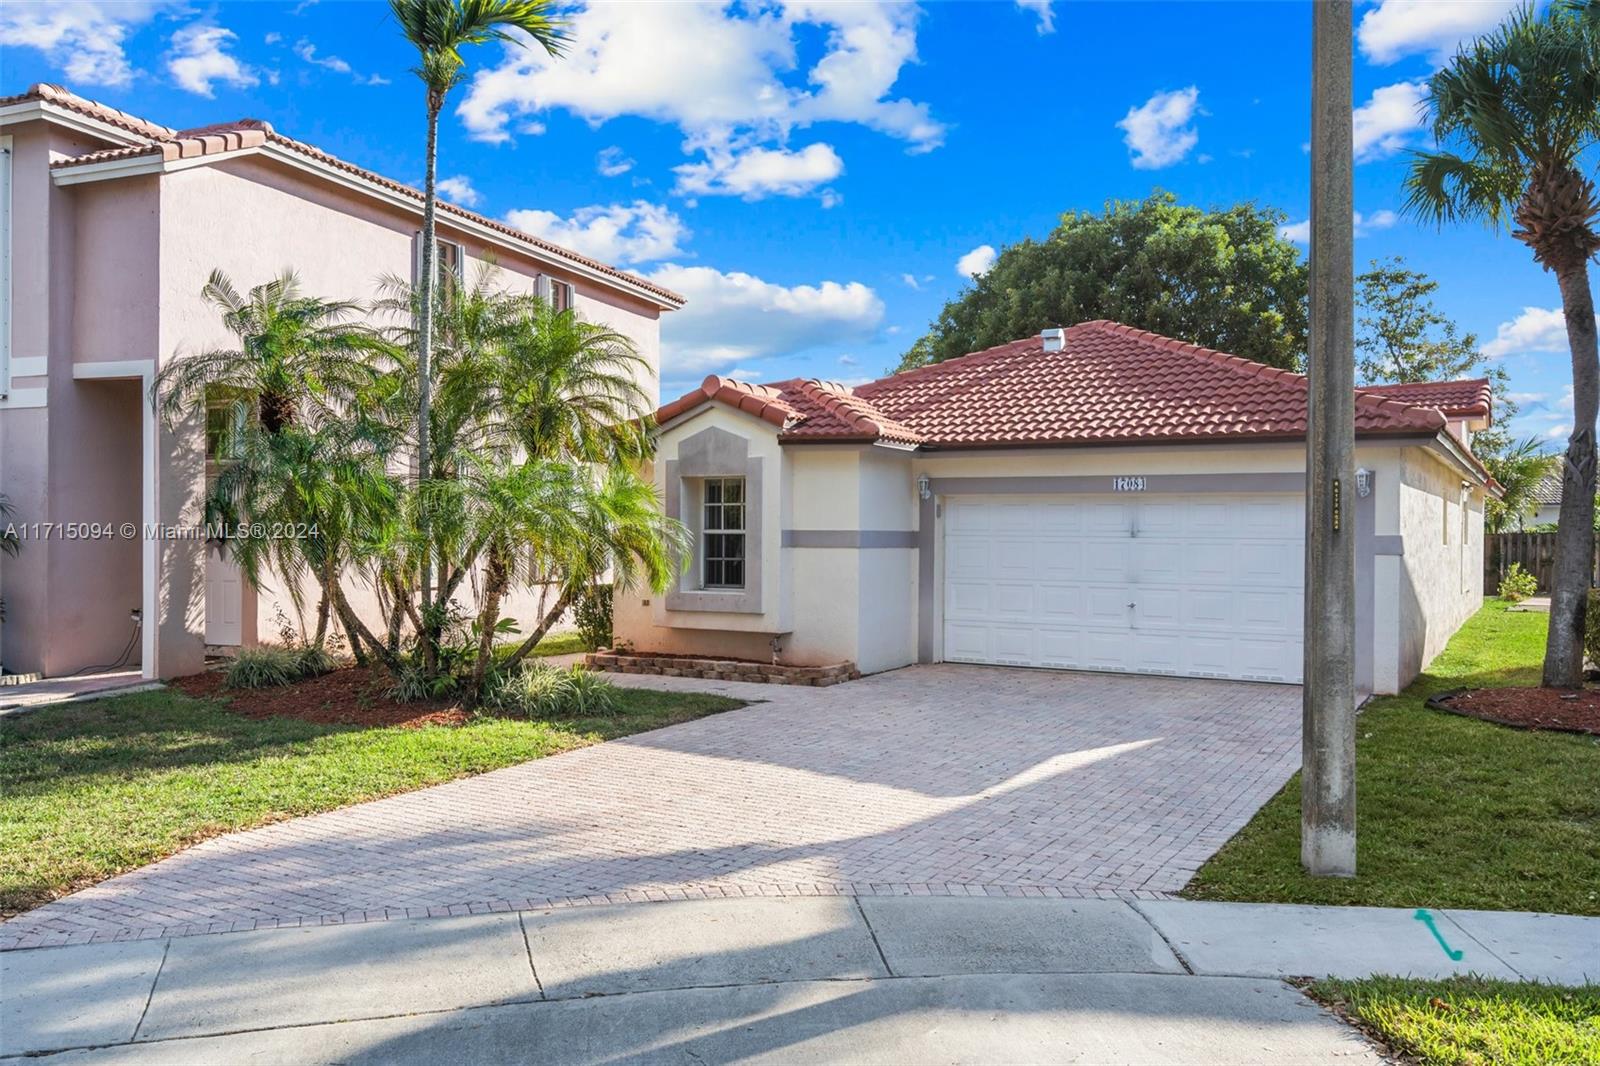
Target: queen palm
[[299, 358], [1518, 468], [439, 30], [1517, 114]]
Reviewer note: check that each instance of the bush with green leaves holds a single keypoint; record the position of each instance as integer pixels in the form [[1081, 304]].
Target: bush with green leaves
[[270, 665], [1517, 584], [1591, 631], [593, 615], [537, 690]]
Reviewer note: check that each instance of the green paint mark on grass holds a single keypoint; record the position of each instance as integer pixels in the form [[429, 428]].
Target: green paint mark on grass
[[1427, 919]]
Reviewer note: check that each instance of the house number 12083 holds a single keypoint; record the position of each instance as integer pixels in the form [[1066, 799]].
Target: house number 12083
[[1128, 484]]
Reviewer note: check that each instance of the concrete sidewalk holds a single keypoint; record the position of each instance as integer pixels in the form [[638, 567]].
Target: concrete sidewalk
[[904, 979]]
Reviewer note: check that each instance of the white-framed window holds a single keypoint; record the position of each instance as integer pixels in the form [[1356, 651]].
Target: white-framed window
[[722, 533], [451, 257], [559, 294]]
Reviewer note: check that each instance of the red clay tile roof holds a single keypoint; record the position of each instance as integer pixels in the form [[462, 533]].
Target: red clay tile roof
[[1111, 384], [764, 401], [1457, 399], [170, 144]]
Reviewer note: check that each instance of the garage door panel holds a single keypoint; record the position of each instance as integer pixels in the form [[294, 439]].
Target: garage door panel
[[1047, 582]]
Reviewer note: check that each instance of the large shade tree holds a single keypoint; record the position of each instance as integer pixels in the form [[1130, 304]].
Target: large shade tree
[[1517, 117], [1223, 278], [439, 30]]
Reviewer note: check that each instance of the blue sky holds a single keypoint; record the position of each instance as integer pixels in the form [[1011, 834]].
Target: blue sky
[[817, 177]]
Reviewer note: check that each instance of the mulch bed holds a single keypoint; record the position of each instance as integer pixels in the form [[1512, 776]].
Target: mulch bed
[[1554, 709], [354, 695]]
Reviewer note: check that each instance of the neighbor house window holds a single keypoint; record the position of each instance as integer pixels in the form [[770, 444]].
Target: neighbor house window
[[558, 294], [722, 533], [451, 258]]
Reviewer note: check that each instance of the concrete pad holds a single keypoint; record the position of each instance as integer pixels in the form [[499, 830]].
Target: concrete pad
[[1258, 940], [929, 936], [1561, 949], [1101, 1018], [337, 972], [581, 951], [69, 997]]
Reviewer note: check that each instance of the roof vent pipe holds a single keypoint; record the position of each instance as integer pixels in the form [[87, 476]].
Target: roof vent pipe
[[1054, 339]]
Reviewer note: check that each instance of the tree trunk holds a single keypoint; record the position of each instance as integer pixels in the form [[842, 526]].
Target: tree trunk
[[323, 606], [430, 207], [551, 617], [1570, 582], [494, 587], [358, 629]]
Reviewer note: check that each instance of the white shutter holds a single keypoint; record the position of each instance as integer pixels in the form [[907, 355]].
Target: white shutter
[[541, 287]]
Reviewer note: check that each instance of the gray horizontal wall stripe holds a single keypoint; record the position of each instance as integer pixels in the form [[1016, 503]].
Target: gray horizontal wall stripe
[[1101, 484], [1388, 545], [849, 538]]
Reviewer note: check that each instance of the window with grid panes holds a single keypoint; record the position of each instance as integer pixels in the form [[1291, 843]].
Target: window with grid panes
[[722, 533]]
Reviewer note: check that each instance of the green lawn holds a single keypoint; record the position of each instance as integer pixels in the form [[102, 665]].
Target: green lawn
[[1470, 1021], [1452, 812], [564, 643], [90, 790]]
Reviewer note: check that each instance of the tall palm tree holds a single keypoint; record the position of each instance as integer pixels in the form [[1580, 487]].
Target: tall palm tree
[[1522, 105], [439, 30], [299, 357]]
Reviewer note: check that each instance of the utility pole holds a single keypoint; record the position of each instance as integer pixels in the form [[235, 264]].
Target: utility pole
[[1327, 736]]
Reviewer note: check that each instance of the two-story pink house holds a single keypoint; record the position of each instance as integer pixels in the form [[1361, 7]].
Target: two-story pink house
[[109, 226]]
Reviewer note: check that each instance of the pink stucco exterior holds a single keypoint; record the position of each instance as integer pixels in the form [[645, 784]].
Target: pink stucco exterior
[[108, 265]]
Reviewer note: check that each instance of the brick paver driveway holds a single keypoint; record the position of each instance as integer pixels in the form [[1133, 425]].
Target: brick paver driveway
[[932, 779]]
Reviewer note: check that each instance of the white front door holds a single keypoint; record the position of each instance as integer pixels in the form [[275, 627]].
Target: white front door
[[1195, 586], [224, 598]]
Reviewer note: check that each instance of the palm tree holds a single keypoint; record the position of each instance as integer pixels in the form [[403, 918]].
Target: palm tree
[[299, 357], [1518, 469], [439, 29], [1522, 105]]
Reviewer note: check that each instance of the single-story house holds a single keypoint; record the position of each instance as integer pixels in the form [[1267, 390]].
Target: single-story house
[[1547, 496], [109, 227], [1094, 498]]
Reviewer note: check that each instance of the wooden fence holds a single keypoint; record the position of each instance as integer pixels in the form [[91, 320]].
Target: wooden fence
[[1536, 552]]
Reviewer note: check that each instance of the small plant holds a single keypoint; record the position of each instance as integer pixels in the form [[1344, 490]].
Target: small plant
[[1591, 631], [413, 684], [593, 616], [270, 665], [538, 690], [1517, 584], [263, 667]]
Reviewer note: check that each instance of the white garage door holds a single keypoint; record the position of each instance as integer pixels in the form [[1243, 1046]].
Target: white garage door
[[1199, 586]]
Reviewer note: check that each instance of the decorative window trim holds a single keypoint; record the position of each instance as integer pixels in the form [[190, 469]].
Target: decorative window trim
[[560, 295], [714, 453]]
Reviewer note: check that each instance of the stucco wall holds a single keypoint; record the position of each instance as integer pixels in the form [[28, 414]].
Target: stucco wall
[[1440, 577]]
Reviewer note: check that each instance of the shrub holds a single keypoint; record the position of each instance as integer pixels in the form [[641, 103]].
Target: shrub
[[538, 690], [270, 665], [412, 683], [593, 615], [263, 667], [1517, 584], [1591, 631]]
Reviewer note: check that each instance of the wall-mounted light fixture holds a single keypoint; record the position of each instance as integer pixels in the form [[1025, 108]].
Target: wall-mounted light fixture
[[1363, 483], [924, 487]]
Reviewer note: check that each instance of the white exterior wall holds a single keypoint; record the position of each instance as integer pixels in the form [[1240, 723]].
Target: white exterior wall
[[1440, 576]]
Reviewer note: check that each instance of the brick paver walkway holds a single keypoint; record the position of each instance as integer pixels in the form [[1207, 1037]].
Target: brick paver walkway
[[933, 779]]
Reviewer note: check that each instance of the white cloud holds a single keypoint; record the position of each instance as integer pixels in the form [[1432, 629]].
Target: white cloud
[[1558, 432], [725, 75], [611, 162], [308, 52], [976, 262], [759, 172], [912, 281], [1536, 329], [1045, 13], [639, 232], [848, 360], [199, 58], [1398, 28], [734, 318], [1386, 123], [84, 40], [1157, 132], [1300, 232], [459, 190]]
